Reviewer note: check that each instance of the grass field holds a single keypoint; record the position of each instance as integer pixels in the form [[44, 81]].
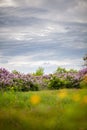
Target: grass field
[[64, 109]]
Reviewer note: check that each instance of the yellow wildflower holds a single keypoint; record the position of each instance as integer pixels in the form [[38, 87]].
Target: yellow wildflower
[[35, 99], [62, 94]]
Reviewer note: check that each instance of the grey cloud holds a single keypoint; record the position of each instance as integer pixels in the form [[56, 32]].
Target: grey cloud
[[27, 15], [74, 38], [67, 10], [23, 16], [19, 21], [53, 4], [16, 16], [28, 2], [25, 11], [59, 47], [60, 4]]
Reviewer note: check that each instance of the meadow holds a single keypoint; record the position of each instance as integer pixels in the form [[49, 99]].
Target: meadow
[[37, 101], [63, 109]]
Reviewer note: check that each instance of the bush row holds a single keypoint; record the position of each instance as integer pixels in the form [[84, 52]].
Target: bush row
[[25, 82]]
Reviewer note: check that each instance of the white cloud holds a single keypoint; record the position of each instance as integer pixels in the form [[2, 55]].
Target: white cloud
[[33, 33], [21, 63], [7, 3]]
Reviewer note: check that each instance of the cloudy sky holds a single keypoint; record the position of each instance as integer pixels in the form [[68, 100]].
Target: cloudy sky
[[47, 33]]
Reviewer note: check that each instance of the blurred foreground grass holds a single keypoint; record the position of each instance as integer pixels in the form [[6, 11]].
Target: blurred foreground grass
[[64, 109]]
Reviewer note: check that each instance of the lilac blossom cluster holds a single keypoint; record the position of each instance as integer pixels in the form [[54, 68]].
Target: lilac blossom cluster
[[83, 72], [26, 82], [16, 81]]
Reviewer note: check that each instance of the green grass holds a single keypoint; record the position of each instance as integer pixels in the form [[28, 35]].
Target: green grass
[[52, 110]]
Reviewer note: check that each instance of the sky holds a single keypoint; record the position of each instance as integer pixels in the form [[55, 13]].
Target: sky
[[42, 33]]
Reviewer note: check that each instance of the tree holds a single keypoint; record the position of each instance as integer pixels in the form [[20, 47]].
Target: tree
[[85, 60], [61, 70], [39, 71], [15, 72], [72, 71]]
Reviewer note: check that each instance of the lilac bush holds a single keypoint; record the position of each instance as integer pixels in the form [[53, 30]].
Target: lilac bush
[[5, 78], [83, 72], [25, 82], [18, 81], [67, 79]]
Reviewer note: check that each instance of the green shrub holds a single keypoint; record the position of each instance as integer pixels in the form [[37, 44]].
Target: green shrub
[[55, 83], [22, 85]]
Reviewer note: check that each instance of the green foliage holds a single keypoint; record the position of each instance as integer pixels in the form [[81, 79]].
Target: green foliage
[[21, 85], [61, 70], [55, 83], [72, 71], [39, 71], [15, 72]]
